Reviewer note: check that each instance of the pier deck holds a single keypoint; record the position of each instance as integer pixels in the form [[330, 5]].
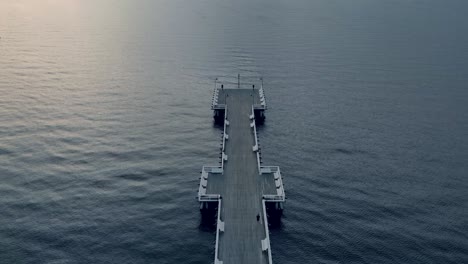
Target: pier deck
[[240, 242], [243, 185]]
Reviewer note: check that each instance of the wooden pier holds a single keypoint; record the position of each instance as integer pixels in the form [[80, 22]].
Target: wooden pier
[[240, 193]]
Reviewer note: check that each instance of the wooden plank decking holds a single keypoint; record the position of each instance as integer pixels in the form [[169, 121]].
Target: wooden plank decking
[[242, 196]]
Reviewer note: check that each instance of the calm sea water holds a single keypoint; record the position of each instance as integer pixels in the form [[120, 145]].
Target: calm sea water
[[105, 124]]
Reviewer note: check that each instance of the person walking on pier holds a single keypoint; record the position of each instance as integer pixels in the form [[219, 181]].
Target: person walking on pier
[[258, 217]]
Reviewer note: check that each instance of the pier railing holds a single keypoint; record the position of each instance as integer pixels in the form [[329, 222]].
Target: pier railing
[[209, 198], [219, 227], [275, 170], [224, 157], [263, 104], [231, 85], [255, 148], [202, 196], [266, 242], [280, 195], [214, 100], [262, 97]]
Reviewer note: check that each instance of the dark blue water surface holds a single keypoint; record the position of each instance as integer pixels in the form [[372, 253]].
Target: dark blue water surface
[[105, 124]]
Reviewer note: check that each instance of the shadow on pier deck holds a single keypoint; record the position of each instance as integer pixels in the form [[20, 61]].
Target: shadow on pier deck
[[241, 193]]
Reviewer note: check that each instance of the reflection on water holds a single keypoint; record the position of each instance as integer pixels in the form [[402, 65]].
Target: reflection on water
[[105, 122]]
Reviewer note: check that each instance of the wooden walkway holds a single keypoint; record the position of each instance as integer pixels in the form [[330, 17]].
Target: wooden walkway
[[241, 186], [242, 197]]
